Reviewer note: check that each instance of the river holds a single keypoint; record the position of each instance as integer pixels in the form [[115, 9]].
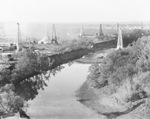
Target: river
[[58, 101]]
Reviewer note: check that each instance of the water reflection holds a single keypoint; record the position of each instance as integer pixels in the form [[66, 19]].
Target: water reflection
[[29, 88], [58, 100]]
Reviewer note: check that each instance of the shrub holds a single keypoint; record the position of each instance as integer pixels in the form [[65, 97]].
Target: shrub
[[123, 64]]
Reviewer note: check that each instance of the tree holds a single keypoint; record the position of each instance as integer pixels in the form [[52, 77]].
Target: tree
[[9, 100], [127, 76]]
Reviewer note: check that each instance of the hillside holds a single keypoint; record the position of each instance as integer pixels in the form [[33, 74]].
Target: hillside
[[119, 87]]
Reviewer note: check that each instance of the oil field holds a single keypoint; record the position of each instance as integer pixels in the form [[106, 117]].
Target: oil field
[[30, 62], [74, 59]]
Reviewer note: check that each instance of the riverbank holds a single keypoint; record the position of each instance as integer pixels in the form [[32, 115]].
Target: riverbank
[[96, 57], [58, 99], [25, 76], [118, 87]]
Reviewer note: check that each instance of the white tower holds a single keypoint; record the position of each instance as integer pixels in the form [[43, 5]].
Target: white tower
[[119, 41]]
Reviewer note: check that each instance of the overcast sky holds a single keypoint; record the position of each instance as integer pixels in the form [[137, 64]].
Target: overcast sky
[[74, 10]]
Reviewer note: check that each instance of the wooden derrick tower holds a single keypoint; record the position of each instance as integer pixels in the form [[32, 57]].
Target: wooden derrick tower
[[18, 38], [142, 26], [100, 30], [120, 40], [81, 31], [48, 33], [54, 37], [118, 26]]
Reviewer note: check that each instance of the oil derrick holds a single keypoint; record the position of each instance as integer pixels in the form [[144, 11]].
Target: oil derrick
[[18, 38], [118, 26], [119, 41], [142, 26], [100, 30], [48, 33], [81, 31], [54, 37]]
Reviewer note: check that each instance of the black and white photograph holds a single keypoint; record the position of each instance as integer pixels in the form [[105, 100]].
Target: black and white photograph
[[74, 59]]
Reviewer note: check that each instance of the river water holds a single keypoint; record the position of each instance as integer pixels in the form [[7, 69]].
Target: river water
[[58, 100]]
